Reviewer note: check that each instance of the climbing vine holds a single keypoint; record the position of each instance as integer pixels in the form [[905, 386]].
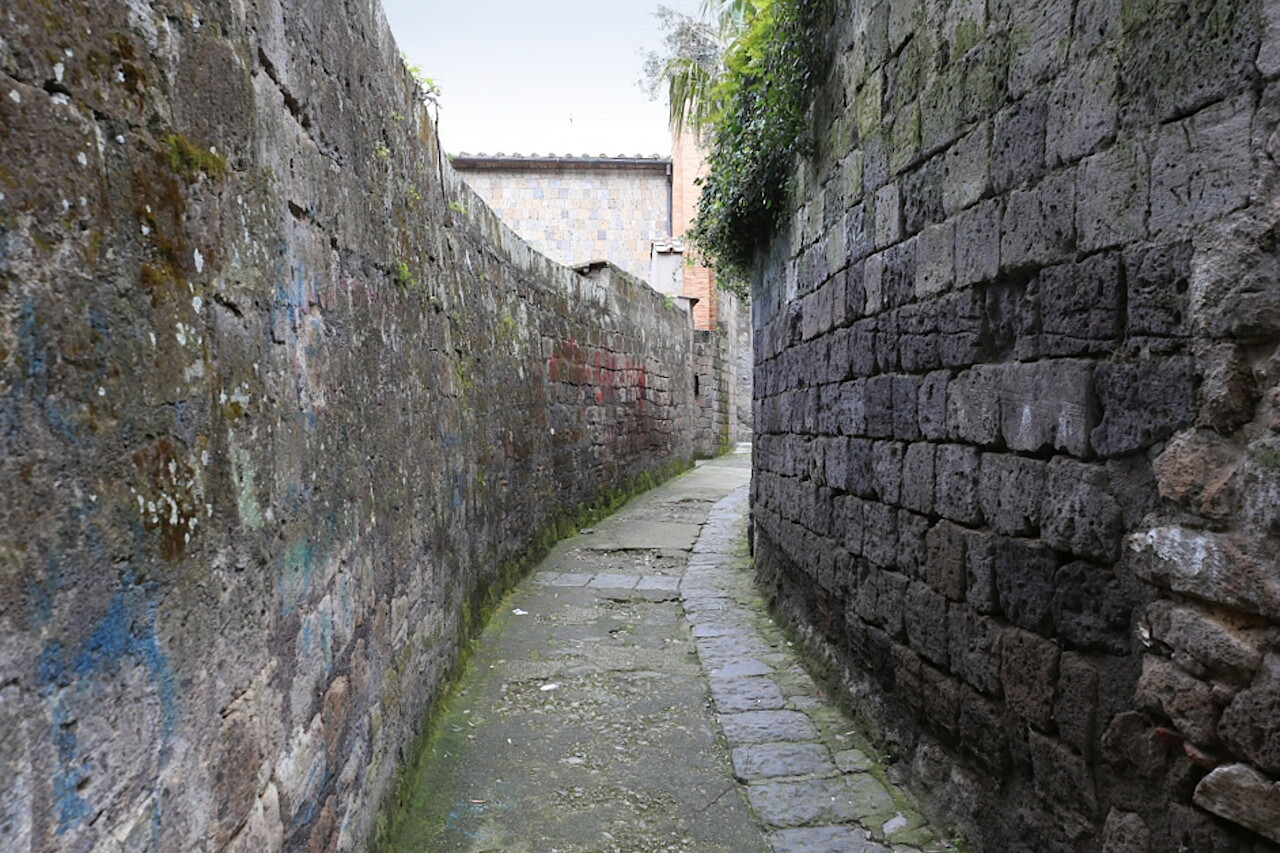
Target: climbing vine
[[765, 92]]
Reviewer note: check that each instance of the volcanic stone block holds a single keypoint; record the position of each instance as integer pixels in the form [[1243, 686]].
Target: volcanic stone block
[[917, 477], [1201, 168], [985, 724], [1090, 609], [935, 259], [850, 415], [1192, 54], [899, 278], [973, 405], [890, 602], [1250, 725], [860, 481], [925, 621], [980, 568], [978, 243], [1075, 710], [1142, 403], [918, 338], [1166, 689], [1112, 191], [880, 406], [974, 643], [887, 341], [1018, 143], [862, 355], [888, 216], [939, 697], [966, 170], [1010, 491], [931, 407], [1024, 571], [1241, 794], [956, 473], [1227, 651], [1039, 223], [881, 540], [1012, 319], [906, 395], [886, 470], [848, 524], [962, 326], [1082, 109], [1228, 389], [1125, 832], [1217, 567], [1081, 306], [922, 196], [1048, 404], [1029, 673], [1157, 279], [945, 566], [1062, 776], [1080, 515], [912, 550], [1130, 739], [1043, 34]]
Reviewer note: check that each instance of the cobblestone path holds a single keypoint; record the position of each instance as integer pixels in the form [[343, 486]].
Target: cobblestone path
[[632, 697]]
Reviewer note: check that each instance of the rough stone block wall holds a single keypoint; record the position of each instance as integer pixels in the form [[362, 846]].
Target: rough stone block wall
[[1018, 412], [580, 214], [711, 428], [281, 404]]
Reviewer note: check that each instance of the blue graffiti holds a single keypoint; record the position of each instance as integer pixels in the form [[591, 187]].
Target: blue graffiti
[[126, 632], [71, 773]]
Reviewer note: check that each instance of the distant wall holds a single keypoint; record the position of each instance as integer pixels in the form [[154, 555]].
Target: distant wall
[[282, 404], [1018, 412], [578, 209]]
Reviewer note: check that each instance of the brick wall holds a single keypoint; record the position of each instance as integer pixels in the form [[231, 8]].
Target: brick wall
[[687, 165], [1017, 413]]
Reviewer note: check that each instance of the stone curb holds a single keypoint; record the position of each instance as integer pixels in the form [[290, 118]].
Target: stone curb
[[806, 774]]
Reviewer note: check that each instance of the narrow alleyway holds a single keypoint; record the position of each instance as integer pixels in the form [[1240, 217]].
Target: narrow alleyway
[[631, 695]]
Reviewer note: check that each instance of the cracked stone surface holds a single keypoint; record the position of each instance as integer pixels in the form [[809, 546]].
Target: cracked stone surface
[[632, 696]]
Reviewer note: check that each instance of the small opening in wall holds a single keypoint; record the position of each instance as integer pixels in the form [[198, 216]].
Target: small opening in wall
[[696, 386]]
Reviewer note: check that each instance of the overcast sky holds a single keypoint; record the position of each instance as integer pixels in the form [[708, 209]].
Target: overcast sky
[[554, 76]]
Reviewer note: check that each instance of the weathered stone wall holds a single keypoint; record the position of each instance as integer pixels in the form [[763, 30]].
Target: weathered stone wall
[[579, 209], [281, 405], [1018, 402], [711, 393]]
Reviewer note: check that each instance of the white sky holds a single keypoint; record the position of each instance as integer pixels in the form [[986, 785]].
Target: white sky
[[523, 77]]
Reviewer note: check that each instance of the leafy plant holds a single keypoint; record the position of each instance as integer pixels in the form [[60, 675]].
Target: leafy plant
[[758, 130], [429, 90], [403, 278]]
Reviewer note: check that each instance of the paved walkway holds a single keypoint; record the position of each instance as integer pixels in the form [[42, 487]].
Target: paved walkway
[[633, 697]]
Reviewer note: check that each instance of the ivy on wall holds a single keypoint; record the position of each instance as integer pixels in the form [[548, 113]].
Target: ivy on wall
[[765, 92]]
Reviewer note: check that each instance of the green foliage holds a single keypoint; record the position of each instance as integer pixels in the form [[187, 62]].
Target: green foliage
[[403, 278], [771, 71], [190, 160], [428, 89]]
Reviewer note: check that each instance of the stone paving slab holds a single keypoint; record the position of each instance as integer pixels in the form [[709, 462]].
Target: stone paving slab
[[632, 697], [807, 773]]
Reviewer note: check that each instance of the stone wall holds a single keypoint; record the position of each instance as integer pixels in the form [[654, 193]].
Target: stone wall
[[282, 405], [579, 209], [1017, 414], [710, 394]]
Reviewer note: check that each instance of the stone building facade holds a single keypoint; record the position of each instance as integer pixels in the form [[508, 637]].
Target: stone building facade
[[579, 209]]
